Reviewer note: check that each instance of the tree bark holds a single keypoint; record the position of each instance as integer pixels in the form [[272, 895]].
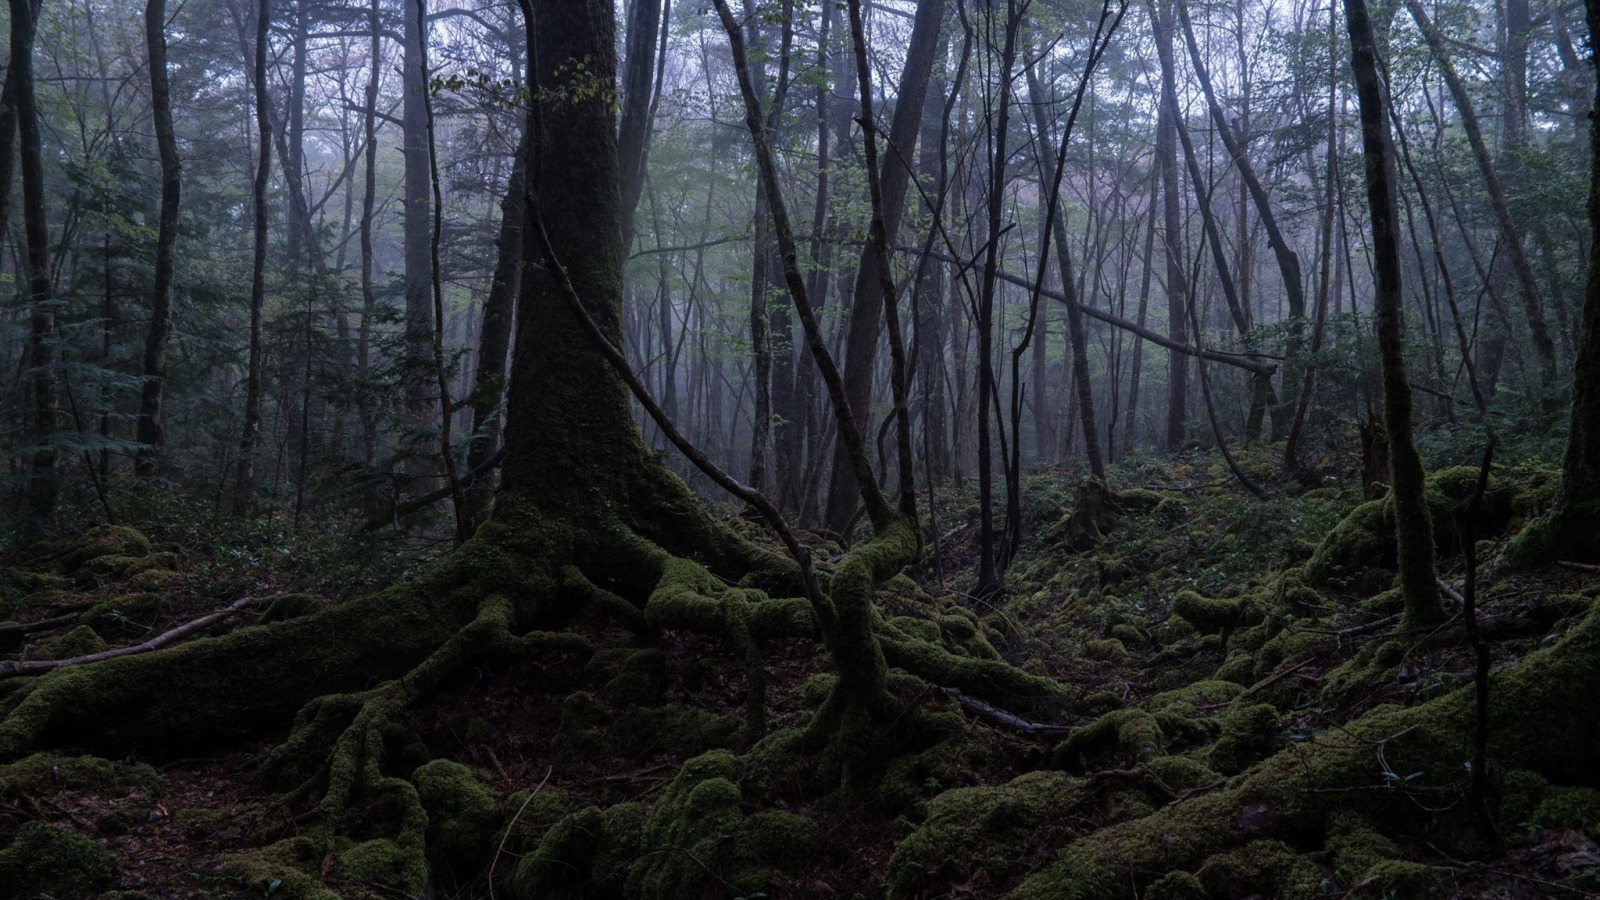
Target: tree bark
[[1532, 304], [1413, 526], [1172, 237], [150, 432], [39, 498], [866, 310], [244, 484]]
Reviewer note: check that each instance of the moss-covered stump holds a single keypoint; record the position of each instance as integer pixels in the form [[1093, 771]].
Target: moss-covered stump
[[1096, 509], [45, 860], [1544, 717]]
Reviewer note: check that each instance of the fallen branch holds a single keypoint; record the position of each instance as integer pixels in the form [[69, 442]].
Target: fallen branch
[[39, 666], [41, 625], [1581, 567], [1000, 717]]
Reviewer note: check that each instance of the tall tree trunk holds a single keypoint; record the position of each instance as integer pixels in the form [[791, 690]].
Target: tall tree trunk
[[1172, 237], [494, 338], [369, 195], [420, 399], [39, 499], [1413, 527], [150, 432], [244, 485], [633, 130], [1532, 304], [866, 310]]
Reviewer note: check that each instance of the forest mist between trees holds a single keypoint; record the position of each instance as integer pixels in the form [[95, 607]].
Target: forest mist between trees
[[894, 449]]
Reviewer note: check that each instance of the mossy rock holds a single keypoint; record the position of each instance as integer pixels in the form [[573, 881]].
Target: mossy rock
[[1569, 807], [107, 540], [1370, 665], [119, 612], [1176, 886], [1248, 734], [1180, 773], [463, 817], [979, 833], [290, 606], [1108, 650], [283, 870], [1213, 615], [640, 679], [1365, 538], [584, 855], [1133, 732], [46, 860], [685, 847], [80, 641], [1356, 847], [383, 861], [43, 774], [1262, 867], [1553, 693]]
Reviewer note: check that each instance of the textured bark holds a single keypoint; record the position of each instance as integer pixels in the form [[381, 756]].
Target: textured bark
[[150, 432], [39, 499], [369, 195], [633, 131], [866, 311], [244, 482], [494, 338], [417, 220], [1532, 304], [1172, 239], [1413, 527]]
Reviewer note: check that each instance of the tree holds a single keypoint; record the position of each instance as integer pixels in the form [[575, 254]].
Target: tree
[[150, 432], [1413, 525], [39, 500]]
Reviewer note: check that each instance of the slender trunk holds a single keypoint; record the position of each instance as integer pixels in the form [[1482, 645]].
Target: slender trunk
[[1130, 432], [866, 311], [39, 500], [1172, 238], [421, 402], [244, 486], [1532, 304], [1413, 528], [369, 189], [150, 432], [638, 71]]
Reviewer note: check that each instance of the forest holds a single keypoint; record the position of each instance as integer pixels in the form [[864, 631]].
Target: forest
[[1081, 449]]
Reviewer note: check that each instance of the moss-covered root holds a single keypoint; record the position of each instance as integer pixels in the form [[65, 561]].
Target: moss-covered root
[[1210, 616], [44, 860], [1545, 717]]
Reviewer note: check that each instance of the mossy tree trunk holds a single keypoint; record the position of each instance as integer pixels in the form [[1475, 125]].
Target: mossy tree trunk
[[1413, 528]]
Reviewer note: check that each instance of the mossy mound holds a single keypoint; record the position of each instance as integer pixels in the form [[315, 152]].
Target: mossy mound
[[699, 842], [583, 855], [106, 540], [1554, 693], [1362, 546], [463, 817], [980, 834], [80, 641], [43, 774], [1214, 615], [45, 860]]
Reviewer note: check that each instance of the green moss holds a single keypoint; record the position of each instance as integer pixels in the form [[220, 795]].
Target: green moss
[[1133, 732], [291, 606], [1568, 807], [1176, 886], [43, 774], [1520, 793], [1369, 665], [107, 540], [1180, 773], [383, 861], [51, 861], [1262, 867], [586, 854], [1213, 615], [80, 641], [202, 824], [1356, 847], [1554, 693], [1399, 878], [979, 834], [685, 850], [1108, 650], [463, 817]]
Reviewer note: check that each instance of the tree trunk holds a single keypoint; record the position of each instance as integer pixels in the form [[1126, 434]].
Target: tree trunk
[[244, 485], [39, 499], [1172, 238], [150, 432], [1413, 526], [1532, 304], [421, 402], [866, 310]]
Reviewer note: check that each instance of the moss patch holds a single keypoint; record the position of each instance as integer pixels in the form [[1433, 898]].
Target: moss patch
[[51, 861]]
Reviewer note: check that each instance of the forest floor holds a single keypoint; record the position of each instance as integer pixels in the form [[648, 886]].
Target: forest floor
[[971, 815]]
